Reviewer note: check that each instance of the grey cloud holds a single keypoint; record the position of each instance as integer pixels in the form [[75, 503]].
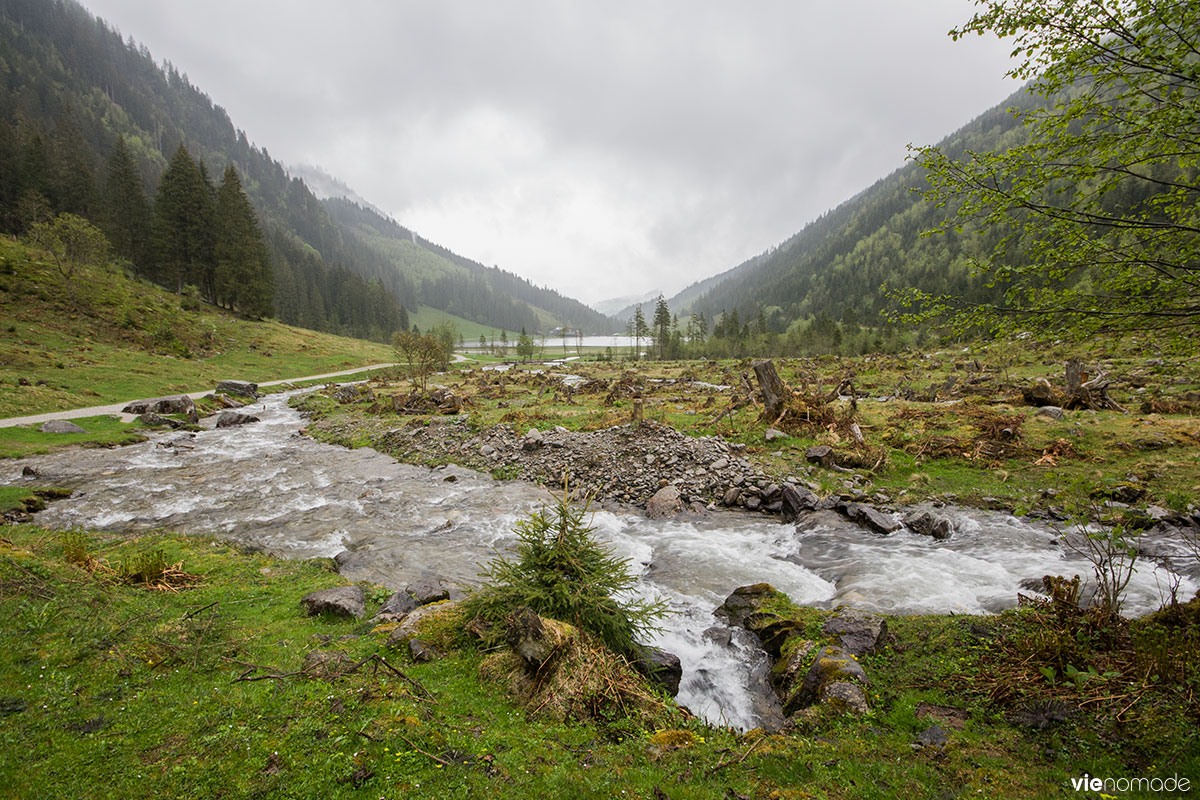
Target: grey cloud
[[603, 148]]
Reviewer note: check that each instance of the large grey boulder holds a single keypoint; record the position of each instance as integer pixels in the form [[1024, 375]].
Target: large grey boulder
[[238, 389], [1051, 412], [660, 667], [665, 503], [397, 607], [175, 404], [796, 501], [61, 426], [232, 419], [341, 601], [860, 633], [869, 517], [821, 455], [428, 589]]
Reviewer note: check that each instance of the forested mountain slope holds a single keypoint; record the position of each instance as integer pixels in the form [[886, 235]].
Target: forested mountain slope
[[71, 88], [445, 280], [837, 265]]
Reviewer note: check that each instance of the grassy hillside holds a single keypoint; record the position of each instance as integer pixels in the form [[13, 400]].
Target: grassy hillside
[[125, 339], [426, 317]]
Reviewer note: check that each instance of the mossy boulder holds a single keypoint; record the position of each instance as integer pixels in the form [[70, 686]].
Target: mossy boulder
[[831, 665]]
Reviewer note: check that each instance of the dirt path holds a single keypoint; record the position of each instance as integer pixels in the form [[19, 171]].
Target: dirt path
[[115, 408]]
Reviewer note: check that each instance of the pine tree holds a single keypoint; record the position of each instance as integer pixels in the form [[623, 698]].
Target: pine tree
[[72, 172], [183, 226], [242, 274], [640, 331], [126, 212], [662, 325]]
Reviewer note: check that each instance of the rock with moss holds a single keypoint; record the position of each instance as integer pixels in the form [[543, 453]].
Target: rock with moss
[[792, 664], [830, 666], [844, 696], [744, 601], [859, 632], [536, 639], [410, 627]]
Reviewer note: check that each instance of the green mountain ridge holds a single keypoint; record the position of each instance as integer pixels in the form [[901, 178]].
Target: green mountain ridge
[[838, 265], [460, 286]]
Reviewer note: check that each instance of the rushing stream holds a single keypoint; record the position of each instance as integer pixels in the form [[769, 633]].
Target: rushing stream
[[269, 487]]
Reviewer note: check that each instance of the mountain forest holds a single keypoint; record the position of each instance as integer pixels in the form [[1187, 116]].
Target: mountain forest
[[93, 126]]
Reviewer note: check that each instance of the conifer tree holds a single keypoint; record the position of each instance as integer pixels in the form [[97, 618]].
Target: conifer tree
[[126, 212], [242, 274], [662, 325], [183, 226], [72, 171]]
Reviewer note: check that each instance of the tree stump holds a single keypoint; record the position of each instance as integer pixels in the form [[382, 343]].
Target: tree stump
[[1084, 393], [774, 390]]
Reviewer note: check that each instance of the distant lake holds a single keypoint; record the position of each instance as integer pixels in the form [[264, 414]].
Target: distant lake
[[618, 343]]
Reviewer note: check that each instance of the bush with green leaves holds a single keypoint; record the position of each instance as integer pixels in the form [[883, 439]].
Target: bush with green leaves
[[562, 572]]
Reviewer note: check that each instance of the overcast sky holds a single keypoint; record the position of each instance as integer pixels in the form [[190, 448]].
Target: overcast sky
[[603, 148]]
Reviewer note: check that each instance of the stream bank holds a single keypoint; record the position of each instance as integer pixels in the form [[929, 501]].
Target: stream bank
[[268, 487]]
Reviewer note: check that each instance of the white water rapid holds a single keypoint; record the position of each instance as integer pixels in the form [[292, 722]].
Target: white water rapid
[[269, 487]]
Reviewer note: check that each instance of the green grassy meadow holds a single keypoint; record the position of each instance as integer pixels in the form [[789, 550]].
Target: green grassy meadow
[[126, 339], [112, 688]]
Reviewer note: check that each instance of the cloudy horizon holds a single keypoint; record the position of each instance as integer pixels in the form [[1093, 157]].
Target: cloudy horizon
[[603, 150]]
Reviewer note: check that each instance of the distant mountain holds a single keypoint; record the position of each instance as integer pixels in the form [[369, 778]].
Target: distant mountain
[[618, 306], [450, 282], [326, 186]]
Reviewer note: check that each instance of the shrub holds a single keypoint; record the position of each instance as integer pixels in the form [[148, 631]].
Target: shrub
[[561, 572]]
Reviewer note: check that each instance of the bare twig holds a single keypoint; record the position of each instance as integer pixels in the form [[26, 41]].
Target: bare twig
[[740, 759], [191, 614], [441, 761]]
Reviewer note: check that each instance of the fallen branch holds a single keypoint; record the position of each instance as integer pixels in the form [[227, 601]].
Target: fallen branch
[[441, 761], [378, 659], [191, 614], [374, 658]]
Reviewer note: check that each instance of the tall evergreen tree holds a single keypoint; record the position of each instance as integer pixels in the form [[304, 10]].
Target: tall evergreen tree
[[183, 226], [126, 211], [242, 273], [640, 331], [662, 325], [72, 171]]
